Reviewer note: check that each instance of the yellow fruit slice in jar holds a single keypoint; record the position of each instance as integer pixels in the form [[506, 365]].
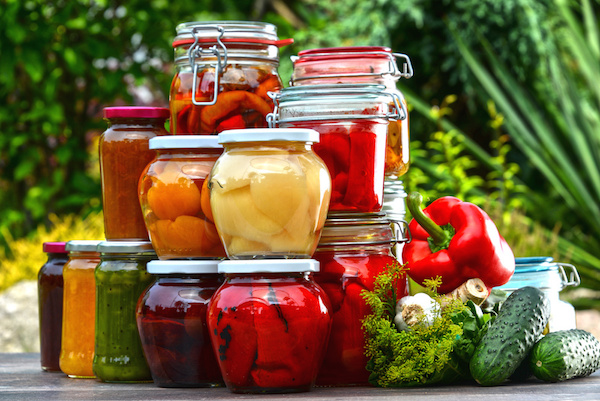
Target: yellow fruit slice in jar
[[173, 194]]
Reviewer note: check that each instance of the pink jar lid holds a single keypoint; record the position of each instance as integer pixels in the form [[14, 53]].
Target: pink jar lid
[[54, 247], [136, 112], [345, 52]]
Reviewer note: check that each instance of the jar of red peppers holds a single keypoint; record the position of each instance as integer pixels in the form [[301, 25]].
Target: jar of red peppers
[[175, 199], [269, 193], [269, 324], [79, 309], [352, 253], [124, 153], [353, 123], [171, 319], [224, 71], [362, 64], [50, 303]]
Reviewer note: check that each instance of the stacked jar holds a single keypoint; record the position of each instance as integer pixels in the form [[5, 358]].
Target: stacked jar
[[349, 96], [269, 321]]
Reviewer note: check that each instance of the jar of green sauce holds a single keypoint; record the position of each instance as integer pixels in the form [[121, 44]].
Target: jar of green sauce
[[121, 278]]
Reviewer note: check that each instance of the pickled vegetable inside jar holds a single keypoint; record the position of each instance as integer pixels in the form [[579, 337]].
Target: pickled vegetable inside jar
[[79, 309], [175, 198], [269, 323], [50, 303], [352, 252], [121, 278], [224, 71], [124, 153], [171, 318], [362, 65], [269, 193]]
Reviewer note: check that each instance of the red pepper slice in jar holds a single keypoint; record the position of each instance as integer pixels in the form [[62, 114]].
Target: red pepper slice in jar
[[230, 102]]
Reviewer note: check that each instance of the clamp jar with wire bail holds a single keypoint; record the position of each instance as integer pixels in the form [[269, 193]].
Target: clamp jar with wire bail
[[551, 277], [352, 252], [360, 65], [224, 71], [352, 120]]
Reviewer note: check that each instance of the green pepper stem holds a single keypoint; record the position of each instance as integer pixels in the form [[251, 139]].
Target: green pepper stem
[[439, 236]]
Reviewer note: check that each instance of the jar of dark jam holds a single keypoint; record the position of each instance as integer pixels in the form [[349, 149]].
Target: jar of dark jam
[[224, 71], [352, 252], [121, 278], [269, 324], [352, 120], [50, 303], [171, 319], [124, 154]]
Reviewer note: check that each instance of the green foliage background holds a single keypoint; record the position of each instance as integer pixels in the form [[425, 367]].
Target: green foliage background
[[472, 133]]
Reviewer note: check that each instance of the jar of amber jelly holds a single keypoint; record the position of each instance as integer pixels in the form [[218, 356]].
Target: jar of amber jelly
[[269, 324], [352, 252], [352, 120], [121, 278], [171, 319], [269, 193], [50, 303], [360, 65], [224, 71], [79, 309], [175, 199], [124, 153]]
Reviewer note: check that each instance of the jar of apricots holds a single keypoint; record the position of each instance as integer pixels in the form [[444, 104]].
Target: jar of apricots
[[224, 71], [175, 200]]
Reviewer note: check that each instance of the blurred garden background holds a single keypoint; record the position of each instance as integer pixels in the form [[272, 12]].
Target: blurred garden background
[[504, 106]]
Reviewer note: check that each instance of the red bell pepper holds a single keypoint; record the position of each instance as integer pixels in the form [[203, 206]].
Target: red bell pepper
[[457, 241]]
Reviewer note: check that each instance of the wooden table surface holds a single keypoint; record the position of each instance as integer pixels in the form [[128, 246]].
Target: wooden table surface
[[22, 379]]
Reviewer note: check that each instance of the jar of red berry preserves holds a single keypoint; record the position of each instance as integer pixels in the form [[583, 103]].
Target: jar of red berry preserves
[[353, 123], [171, 319], [224, 71], [352, 252], [362, 64], [269, 324]]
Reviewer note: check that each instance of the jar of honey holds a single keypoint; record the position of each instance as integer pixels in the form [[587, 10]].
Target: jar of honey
[[269, 193], [224, 71], [269, 324], [50, 303], [79, 309], [352, 252], [124, 153], [171, 319], [352, 120], [121, 278], [361, 65], [175, 199]]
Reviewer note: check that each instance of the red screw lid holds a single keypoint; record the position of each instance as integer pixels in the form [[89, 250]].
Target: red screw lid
[[54, 247], [136, 112]]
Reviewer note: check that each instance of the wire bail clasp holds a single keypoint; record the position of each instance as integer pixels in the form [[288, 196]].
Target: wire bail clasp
[[196, 51]]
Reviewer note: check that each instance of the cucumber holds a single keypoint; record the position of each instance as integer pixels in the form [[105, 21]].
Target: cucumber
[[510, 338], [565, 354]]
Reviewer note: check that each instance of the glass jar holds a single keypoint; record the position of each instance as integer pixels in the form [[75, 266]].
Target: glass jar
[[50, 304], [171, 319], [269, 323], [352, 252], [352, 121], [550, 277], [124, 153], [269, 193], [121, 278], [175, 199], [79, 309], [224, 71], [362, 64]]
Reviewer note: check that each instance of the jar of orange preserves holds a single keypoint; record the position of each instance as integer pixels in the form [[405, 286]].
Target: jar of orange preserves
[[79, 309], [124, 153], [175, 199], [224, 71]]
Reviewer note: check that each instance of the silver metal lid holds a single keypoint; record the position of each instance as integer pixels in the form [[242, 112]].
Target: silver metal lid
[[82, 246], [108, 247]]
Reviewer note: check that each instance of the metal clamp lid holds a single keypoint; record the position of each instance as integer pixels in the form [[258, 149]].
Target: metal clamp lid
[[196, 51], [573, 279]]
